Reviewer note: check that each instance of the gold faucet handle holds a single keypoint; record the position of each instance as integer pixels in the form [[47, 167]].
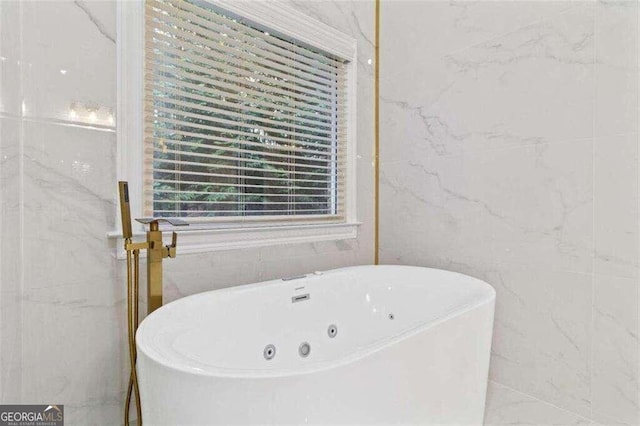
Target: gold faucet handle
[[156, 244], [174, 245]]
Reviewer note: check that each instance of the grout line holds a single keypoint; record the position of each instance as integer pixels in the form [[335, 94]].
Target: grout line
[[637, 38], [21, 251], [376, 149], [541, 400], [593, 206]]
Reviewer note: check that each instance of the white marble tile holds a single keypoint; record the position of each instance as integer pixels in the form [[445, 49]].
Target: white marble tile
[[11, 347], [69, 55], [73, 343], [488, 169], [616, 68], [433, 29], [10, 197], [532, 85], [319, 256], [541, 340], [195, 273], [527, 206], [616, 101], [507, 407], [519, 218], [616, 350], [70, 275], [69, 204], [542, 335], [10, 262], [106, 411], [617, 33], [71, 279], [616, 191], [602, 420], [10, 58]]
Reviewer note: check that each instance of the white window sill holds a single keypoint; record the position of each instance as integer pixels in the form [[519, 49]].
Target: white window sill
[[209, 240]]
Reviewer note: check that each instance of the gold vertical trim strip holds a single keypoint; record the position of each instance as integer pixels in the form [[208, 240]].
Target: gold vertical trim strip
[[376, 148]]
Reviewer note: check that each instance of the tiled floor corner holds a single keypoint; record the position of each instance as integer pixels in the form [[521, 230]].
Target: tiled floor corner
[[506, 406]]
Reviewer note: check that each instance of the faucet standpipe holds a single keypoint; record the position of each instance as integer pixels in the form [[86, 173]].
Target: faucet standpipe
[[156, 251]]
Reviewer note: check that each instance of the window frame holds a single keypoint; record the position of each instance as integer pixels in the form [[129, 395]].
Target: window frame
[[241, 233]]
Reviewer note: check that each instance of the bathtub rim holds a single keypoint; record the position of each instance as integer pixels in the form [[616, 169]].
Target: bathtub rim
[[318, 366]]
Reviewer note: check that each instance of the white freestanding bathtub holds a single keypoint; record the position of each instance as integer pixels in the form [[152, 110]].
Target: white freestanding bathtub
[[354, 346]]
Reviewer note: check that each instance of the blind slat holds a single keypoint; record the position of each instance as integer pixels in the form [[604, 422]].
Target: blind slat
[[197, 111], [201, 156], [187, 213], [193, 170], [240, 185], [241, 56], [280, 48], [246, 122], [215, 131], [208, 142], [263, 153], [176, 58], [165, 80], [189, 172], [245, 202], [242, 194]]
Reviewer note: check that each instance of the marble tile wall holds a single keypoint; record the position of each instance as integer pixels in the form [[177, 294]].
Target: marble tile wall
[[510, 153], [62, 294]]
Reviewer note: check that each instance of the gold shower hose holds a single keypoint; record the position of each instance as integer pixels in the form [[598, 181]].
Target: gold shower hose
[[133, 284], [133, 281]]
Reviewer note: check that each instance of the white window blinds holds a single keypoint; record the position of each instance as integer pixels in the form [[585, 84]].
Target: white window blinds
[[240, 122]]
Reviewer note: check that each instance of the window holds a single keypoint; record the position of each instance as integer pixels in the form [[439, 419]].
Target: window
[[240, 122], [245, 115]]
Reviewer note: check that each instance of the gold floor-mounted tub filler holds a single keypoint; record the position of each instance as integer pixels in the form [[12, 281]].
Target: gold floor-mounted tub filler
[[156, 251]]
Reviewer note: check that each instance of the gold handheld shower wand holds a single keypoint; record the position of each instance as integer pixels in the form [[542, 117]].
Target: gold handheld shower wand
[[156, 251]]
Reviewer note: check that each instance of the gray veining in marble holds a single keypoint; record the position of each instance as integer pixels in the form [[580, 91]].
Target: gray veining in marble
[[99, 26], [510, 153]]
